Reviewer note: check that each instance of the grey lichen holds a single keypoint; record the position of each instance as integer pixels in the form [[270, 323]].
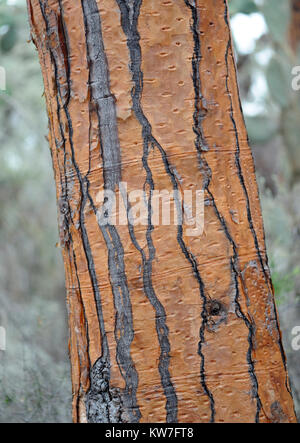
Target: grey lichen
[[104, 403]]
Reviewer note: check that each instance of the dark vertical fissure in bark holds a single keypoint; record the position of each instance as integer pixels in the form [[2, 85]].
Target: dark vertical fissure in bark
[[249, 215], [124, 332], [129, 17], [65, 214], [99, 84], [43, 6], [102, 96], [103, 404], [201, 147]]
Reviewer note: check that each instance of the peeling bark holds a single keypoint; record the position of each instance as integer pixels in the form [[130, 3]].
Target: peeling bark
[[164, 327]]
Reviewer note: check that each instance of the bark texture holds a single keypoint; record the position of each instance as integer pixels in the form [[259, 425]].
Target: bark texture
[[164, 327], [295, 24]]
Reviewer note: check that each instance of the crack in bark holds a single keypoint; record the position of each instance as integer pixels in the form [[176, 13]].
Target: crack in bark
[[249, 215], [129, 17], [105, 357], [85, 322], [124, 332], [102, 96], [207, 174], [65, 216], [99, 84], [123, 315], [200, 103], [59, 66]]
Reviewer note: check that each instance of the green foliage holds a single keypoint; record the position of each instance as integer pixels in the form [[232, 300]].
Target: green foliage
[[243, 6], [9, 39], [260, 128], [277, 16], [277, 73], [291, 133], [8, 400], [283, 282], [272, 114], [8, 29]]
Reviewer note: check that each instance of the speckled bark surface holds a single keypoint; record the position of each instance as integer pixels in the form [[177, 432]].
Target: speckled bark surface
[[164, 327]]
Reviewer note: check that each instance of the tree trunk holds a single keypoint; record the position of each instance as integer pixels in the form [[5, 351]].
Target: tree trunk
[[295, 25], [164, 326]]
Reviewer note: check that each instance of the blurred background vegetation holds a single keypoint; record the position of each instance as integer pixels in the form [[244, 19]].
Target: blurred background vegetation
[[34, 370]]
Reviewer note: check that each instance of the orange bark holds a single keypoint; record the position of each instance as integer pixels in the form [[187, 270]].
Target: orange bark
[[295, 25], [163, 326]]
